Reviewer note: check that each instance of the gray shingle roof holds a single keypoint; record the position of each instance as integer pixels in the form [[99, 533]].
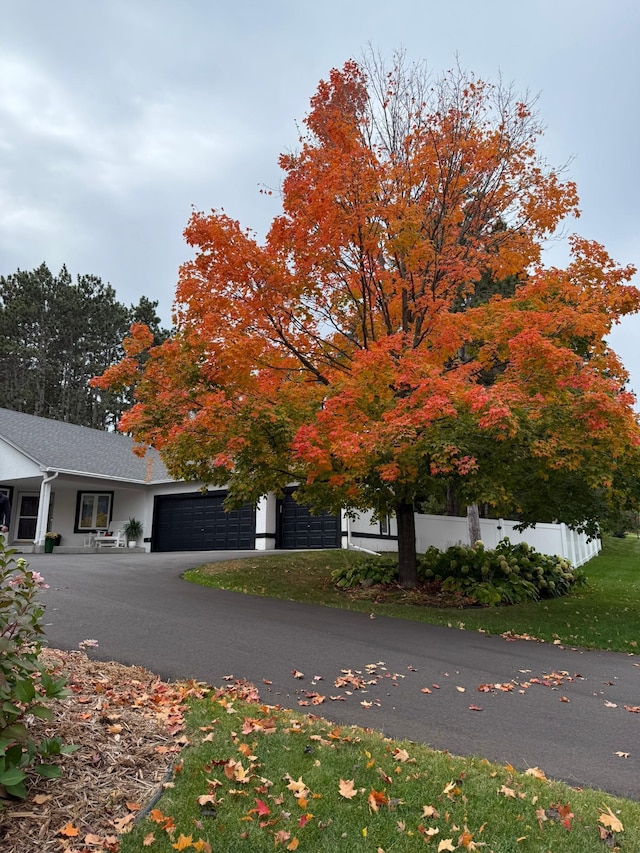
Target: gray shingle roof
[[59, 446]]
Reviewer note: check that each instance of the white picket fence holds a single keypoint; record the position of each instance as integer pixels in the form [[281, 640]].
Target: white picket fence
[[443, 531]]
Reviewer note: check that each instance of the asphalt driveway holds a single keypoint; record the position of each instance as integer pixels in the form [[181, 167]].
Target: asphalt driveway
[[565, 714]]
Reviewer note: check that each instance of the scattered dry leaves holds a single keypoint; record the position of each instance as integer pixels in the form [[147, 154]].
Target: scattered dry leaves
[[110, 772]]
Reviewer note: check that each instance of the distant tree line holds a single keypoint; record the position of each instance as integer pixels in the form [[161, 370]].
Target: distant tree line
[[55, 334]]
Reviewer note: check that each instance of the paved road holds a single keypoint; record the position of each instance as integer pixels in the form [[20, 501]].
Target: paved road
[[141, 612]]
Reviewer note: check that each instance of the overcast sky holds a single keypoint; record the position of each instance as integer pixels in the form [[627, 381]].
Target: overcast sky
[[119, 116]]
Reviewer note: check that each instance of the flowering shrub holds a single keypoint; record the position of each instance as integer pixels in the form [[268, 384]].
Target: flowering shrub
[[507, 574], [24, 683]]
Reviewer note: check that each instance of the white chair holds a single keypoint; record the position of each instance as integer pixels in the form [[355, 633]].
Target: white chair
[[113, 538]]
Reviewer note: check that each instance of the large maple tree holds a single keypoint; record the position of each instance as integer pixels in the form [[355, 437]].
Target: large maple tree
[[353, 350]]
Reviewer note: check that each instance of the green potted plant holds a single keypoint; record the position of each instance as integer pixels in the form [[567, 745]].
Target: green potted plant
[[132, 530], [51, 539]]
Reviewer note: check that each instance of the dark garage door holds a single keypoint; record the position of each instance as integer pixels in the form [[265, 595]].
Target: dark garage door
[[300, 529], [199, 523]]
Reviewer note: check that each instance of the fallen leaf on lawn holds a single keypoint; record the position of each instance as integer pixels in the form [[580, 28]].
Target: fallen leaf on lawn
[[536, 772], [183, 842], [607, 836], [607, 818], [400, 755], [377, 799], [508, 792], [429, 811], [293, 844], [446, 844], [297, 674], [69, 830], [297, 787], [622, 754], [262, 808], [451, 789], [346, 789], [466, 840], [541, 817], [562, 814], [148, 840], [281, 836]]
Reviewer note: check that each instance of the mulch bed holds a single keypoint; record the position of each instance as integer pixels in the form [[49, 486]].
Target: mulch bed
[[127, 725]]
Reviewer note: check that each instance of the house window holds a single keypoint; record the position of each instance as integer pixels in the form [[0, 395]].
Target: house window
[[94, 510], [384, 525]]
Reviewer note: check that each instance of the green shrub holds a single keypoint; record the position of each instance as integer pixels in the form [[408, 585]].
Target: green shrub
[[367, 570], [507, 575], [24, 684]]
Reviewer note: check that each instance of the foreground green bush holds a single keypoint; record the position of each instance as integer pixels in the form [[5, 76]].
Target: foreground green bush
[[24, 684], [508, 574]]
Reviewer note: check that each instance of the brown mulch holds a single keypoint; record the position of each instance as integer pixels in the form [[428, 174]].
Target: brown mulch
[[127, 725]]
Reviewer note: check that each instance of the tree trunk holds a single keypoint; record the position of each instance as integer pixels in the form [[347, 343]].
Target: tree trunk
[[473, 521], [453, 507], [407, 560]]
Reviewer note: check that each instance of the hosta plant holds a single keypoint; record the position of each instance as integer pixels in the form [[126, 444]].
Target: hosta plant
[[24, 683], [507, 574]]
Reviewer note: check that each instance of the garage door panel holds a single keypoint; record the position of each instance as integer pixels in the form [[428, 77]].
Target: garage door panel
[[200, 523], [300, 529]]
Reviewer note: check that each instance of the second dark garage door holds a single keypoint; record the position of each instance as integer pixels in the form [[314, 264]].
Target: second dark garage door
[[196, 522], [299, 529]]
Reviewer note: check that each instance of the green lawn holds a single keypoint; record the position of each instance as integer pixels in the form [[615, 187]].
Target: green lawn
[[604, 615], [259, 779]]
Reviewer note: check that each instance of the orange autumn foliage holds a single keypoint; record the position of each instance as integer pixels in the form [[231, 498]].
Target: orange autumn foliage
[[350, 351]]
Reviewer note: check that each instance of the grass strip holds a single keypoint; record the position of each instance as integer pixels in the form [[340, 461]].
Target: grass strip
[[604, 615], [259, 778]]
